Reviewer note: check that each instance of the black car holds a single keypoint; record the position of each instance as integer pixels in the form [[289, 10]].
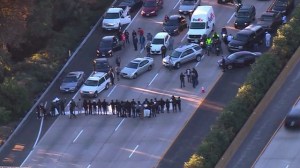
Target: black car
[[175, 24], [270, 21], [225, 1], [247, 38], [283, 6], [107, 45], [101, 65], [244, 16], [239, 59], [132, 4]]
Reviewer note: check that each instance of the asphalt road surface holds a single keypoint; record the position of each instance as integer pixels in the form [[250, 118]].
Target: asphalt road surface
[[107, 141]]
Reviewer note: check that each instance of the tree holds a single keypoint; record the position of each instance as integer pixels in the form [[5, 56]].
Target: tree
[[195, 161]]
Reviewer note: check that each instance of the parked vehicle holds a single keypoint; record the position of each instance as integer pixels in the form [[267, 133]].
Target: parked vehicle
[[108, 45], [239, 59], [72, 81], [183, 54], [115, 18], [225, 1], [247, 38], [95, 84], [202, 22], [101, 65], [151, 7], [283, 6], [270, 21], [175, 24], [132, 4], [188, 6], [160, 39], [245, 16], [137, 67], [292, 119]]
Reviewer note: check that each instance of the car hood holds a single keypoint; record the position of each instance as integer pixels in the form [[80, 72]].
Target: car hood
[[111, 22], [186, 7], [86, 88], [128, 71], [167, 59], [68, 85], [156, 47], [241, 20], [148, 9], [196, 31], [236, 43]]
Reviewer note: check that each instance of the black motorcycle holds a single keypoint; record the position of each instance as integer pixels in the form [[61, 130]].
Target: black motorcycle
[[224, 35]]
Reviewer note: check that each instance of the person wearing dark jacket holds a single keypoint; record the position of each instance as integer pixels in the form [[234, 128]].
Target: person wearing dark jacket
[[182, 83], [135, 43], [168, 105]]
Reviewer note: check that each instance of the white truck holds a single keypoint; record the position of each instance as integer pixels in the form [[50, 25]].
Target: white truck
[[115, 18], [202, 22], [95, 84]]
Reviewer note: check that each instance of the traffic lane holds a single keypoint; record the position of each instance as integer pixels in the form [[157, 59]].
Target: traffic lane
[[200, 124], [265, 127]]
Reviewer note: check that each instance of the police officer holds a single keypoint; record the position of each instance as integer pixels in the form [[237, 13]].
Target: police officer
[[118, 108], [173, 99], [133, 107], [182, 83], [99, 107], [62, 106], [90, 106], [72, 108], [113, 107], [128, 108], [163, 51], [208, 44], [178, 102], [104, 106], [85, 106], [168, 105], [162, 105], [94, 104], [156, 104]]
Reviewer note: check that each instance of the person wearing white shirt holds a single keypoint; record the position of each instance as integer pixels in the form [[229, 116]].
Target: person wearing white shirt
[[268, 39]]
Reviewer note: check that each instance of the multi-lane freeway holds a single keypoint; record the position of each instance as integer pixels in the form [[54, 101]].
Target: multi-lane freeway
[[108, 141]]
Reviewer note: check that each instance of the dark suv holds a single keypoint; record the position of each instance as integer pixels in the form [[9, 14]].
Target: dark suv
[[244, 16], [283, 6], [246, 39], [270, 21]]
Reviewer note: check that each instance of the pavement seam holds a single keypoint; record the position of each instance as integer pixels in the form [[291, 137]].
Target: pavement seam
[[240, 137]]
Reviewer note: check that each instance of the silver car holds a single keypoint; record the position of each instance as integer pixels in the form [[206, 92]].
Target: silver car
[[72, 81], [137, 67], [183, 54], [188, 6]]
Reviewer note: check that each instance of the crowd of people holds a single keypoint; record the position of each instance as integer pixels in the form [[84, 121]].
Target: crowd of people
[[116, 107]]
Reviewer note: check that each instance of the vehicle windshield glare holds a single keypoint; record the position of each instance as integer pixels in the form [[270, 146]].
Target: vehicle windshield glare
[[242, 14], [91, 83], [149, 4], [266, 18], [197, 25], [158, 41], [188, 2], [241, 37], [111, 16], [70, 79], [132, 65], [175, 54], [173, 22]]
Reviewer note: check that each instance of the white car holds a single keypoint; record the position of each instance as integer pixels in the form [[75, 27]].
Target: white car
[[137, 67], [160, 39], [114, 18], [95, 84]]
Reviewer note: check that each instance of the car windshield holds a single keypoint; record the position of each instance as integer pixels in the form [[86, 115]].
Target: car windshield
[[188, 2], [266, 18], [173, 22], [175, 54], [70, 79], [132, 65], [149, 4], [241, 37], [158, 41], [91, 83], [242, 14], [197, 25], [233, 56], [111, 16], [100, 65], [105, 44]]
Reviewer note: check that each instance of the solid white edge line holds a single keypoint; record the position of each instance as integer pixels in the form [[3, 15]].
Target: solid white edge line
[[26, 158], [152, 79], [88, 166], [231, 17], [176, 4], [133, 150], [119, 124], [197, 64], [39, 134], [133, 19], [183, 37], [111, 91], [77, 136]]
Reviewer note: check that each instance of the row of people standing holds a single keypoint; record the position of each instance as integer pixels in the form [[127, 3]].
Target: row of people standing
[[192, 77]]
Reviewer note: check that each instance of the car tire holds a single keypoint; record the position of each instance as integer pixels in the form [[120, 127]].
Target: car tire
[[96, 94], [229, 66], [107, 86], [150, 68], [198, 58], [134, 76], [177, 65]]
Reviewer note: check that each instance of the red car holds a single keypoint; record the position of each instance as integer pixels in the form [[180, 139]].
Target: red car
[[151, 7]]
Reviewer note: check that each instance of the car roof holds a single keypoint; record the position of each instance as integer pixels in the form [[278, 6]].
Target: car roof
[[108, 38], [253, 27], [269, 14], [184, 47], [75, 73], [173, 17], [114, 10], [101, 60], [98, 74], [246, 7], [137, 60], [161, 35]]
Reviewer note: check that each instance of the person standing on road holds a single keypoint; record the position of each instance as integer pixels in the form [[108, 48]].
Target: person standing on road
[[178, 102], [174, 104], [79, 106], [149, 37], [104, 107], [127, 37], [168, 105], [268, 39], [38, 111], [99, 107], [148, 49], [182, 84], [72, 108], [196, 76], [140, 32], [118, 60], [123, 38], [162, 105], [94, 104], [112, 77], [135, 43], [142, 41], [188, 74], [133, 108], [118, 108], [85, 106], [118, 71], [113, 107], [62, 106], [90, 107], [163, 51]]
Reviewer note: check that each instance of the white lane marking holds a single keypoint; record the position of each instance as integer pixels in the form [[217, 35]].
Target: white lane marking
[[133, 19], [152, 79], [39, 134], [183, 37], [119, 124], [133, 150], [77, 136], [287, 166], [176, 4], [88, 166], [45, 105], [231, 17], [141, 51], [26, 158], [111, 91], [197, 64]]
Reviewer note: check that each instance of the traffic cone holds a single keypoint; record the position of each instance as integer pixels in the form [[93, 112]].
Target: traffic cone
[[202, 89]]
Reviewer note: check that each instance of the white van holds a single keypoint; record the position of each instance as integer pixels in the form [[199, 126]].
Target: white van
[[202, 22], [114, 18]]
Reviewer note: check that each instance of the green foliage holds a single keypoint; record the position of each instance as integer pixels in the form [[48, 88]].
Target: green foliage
[[264, 73], [194, 162], [5, 116]]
